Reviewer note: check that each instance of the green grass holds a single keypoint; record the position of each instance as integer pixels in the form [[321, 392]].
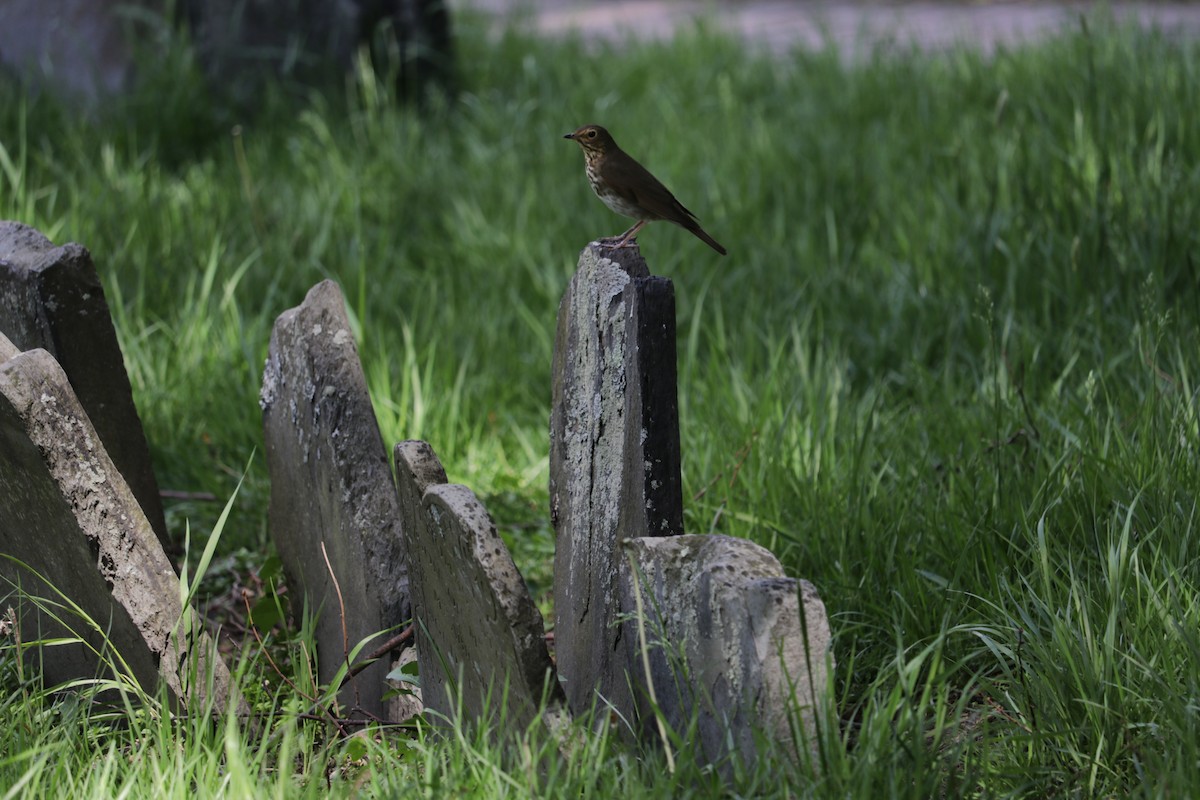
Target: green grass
[[948, 373]]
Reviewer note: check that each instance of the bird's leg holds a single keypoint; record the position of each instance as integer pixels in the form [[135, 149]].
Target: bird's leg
[[630, 235]]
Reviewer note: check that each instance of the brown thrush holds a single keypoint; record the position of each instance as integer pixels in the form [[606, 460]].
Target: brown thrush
[[629, 189]]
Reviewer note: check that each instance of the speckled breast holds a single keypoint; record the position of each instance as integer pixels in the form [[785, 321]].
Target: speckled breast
[[611, 198]]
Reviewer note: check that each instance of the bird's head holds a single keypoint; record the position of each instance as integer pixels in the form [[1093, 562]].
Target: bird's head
[[593, 139]]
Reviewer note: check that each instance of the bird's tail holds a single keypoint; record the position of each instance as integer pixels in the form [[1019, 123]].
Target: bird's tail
[[708, 240]]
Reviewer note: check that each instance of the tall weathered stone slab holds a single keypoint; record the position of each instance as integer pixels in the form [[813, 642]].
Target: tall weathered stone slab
[[730, 639], [733, 644], [333, 510], [51, 297], [614, 455], [68, 517], [481, 641]]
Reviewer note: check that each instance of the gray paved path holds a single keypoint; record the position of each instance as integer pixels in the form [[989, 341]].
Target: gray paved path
[[782, 24]]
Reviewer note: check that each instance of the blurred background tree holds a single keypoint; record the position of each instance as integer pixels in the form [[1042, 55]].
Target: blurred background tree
[[89, 49]]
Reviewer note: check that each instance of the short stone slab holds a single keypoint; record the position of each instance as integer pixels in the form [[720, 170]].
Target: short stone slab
[[614, 455], [730, 639], [481, 645], [333, 511], [69, 517], [51, 297]]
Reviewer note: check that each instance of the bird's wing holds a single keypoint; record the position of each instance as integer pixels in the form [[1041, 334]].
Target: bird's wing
[[626, 173]]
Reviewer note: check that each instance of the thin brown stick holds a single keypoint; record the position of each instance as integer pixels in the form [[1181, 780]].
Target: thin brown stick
[[645, 650], [342, 616], [313, 701], [381, 651], [704, 489], [178, 494], [745, 453], [263, 647]]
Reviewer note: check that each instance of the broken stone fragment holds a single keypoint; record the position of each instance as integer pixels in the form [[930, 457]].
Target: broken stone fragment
[[481, 647], [730, 639]]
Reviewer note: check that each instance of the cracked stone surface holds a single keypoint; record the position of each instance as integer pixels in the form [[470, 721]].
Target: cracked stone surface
[[70, 528], [334, 513], [732, 642], [729, 637], [481, 639], [614, 455], [51, 297]]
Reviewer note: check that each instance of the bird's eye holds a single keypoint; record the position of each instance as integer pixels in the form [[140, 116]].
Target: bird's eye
[[591, 134]]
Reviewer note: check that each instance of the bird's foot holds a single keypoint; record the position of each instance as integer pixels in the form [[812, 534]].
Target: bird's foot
[[618, 242]]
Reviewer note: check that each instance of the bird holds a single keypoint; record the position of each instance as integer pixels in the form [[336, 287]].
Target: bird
[[628, 188]]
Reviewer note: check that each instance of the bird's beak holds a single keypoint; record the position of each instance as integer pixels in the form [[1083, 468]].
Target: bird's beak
[[568, 136]]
